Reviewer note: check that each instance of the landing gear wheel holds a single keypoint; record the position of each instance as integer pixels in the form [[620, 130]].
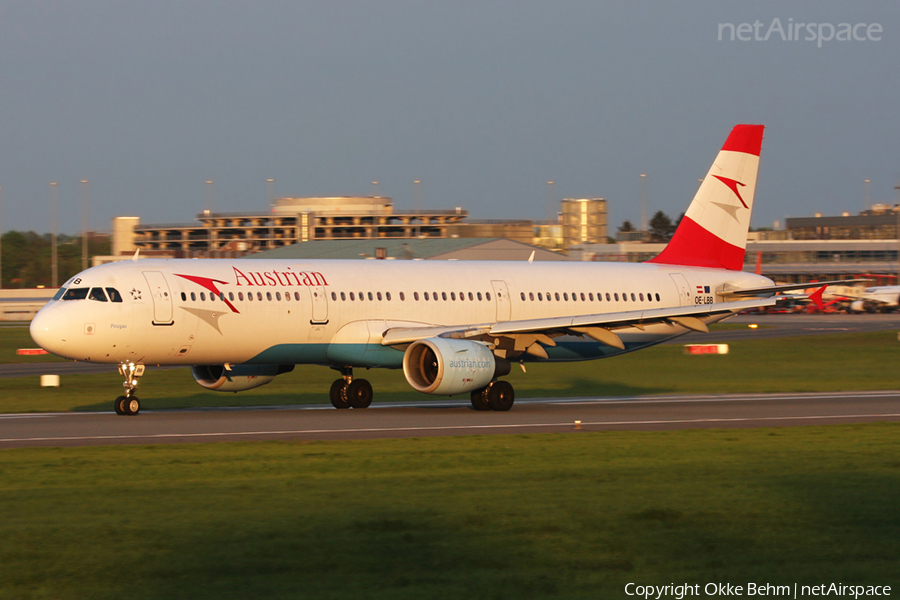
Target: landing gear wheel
[[338, 394], [119, 405], [479, 399], [359, 393], [131, 406], [501, 396]]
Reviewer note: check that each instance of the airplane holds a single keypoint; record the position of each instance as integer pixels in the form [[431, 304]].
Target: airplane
[[453, 327], [882, 298]]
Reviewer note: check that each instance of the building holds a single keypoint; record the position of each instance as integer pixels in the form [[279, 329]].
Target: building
[[879, 223], [583, 221], [294, 220], [415, 249]]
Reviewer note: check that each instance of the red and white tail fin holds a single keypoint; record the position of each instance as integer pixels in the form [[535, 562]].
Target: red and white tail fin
[[713, 232]]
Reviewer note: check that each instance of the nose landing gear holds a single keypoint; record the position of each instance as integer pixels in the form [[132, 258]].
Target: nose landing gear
[[129, 403]]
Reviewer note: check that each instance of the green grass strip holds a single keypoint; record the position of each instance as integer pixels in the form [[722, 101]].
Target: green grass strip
[[802, 364], [528, 516]]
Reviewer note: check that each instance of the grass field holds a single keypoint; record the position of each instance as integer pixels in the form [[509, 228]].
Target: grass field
[[804, 364], [526, 516], [523, 516]]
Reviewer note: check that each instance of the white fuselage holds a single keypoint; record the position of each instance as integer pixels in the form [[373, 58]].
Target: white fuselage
[[334, 312]]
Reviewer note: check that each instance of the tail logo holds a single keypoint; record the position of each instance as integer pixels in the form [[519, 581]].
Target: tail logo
[[733, 186]]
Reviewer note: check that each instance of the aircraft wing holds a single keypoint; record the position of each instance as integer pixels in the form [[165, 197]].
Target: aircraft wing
[[775, 289], [529, 334]]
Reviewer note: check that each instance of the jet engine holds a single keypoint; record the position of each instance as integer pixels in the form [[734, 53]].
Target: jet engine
[[445, 367], [238, 378], [858, 306]]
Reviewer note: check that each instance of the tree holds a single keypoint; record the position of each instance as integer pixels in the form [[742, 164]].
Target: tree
[[626, 227], [661, 227]]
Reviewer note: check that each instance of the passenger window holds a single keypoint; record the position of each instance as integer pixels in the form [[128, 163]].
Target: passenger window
[[641, 296], [249, 296], [333, 296], [591, 296], [487, 296], [297, 296], [269, 296], [434, 296], [378, 295], [97, 294], [607, 297], [453, 295], [352, 296], [540, 296], [632, 297], [370, 295], [416, 296], [231, 295], [387, 296], [278, 296], [444, 296], [531, 296], [479, 296], [616, 296], [582, 297], [75, 294], [657, 297], [565, 296], [193, 297], [470, 296], [183, 297], [402, 296], [203, 296], [240, 296], [343, 297], [426, 295], [259, 296], [522, 295]]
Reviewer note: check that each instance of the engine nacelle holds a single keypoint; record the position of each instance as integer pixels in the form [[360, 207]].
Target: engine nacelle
[[858, 306], [239, 378], [445, 367]]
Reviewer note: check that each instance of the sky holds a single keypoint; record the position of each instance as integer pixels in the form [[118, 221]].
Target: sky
[[483, 101]]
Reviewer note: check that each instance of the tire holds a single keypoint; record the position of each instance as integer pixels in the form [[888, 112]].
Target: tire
[[479, 400], [501, 396], [338, 394], [359, 393], [131, 406], [119, 405]]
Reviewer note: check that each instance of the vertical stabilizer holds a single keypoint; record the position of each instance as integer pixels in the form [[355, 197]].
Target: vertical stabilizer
[[713, 232]]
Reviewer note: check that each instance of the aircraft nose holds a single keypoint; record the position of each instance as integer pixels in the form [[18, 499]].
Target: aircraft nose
[[50, 329]]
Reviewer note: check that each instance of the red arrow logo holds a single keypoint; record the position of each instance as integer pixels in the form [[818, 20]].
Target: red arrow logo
[[733, 186]]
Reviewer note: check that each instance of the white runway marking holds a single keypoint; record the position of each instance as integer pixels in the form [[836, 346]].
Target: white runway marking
[[567, 424]]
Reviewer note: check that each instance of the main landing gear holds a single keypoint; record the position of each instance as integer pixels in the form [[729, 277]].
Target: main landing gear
[[129, 403], [498, 395], [347, 392]]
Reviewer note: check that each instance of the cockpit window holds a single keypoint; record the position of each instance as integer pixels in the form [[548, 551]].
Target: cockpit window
[[59, 294], [75, 294], [98, 295], [114, 295]]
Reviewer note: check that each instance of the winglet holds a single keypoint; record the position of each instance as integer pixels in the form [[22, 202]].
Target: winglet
[[531, 258], [136, 252], [816, 297]]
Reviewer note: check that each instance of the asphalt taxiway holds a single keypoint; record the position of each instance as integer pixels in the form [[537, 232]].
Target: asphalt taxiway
[[440, 418]]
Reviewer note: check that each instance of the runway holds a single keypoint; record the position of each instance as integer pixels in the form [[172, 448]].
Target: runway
[[442, 418]]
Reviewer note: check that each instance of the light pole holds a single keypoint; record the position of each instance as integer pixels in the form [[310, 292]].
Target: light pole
[[643, 202], [1, 240], [270, 191], [54, 204], [866, 183], [85, 190]]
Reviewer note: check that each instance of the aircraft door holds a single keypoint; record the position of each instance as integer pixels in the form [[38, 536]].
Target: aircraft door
[[162, 299], [684, 290], [504, 309], [319, 300]]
